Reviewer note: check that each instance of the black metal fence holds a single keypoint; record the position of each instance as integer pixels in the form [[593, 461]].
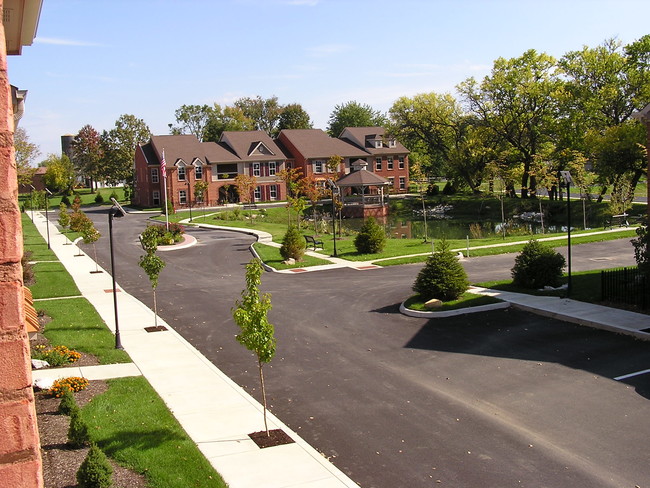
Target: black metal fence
[[625, 285]]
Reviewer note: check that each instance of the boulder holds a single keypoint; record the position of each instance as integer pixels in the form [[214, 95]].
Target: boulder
[[433, 303]]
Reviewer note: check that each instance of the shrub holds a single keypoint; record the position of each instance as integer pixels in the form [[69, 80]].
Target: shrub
[[65, 200], [72, 383], [537, 266], [433, 190], [68, 403], [113, 195], [56, 356], [95, 471], [293, 244], [99, 198], [28, 268], [371, 238], [443, 277], [79, 221], [78, 430], [449, 189]]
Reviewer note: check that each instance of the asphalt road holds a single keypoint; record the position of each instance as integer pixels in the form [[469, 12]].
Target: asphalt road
[[499, 399]]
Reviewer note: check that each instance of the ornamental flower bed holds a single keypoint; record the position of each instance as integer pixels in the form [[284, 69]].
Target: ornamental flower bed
[[56, 356], [72, 383]]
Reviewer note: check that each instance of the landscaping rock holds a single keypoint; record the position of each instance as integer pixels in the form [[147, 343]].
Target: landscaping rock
[[39, 363], [289, 261], [433, 303]]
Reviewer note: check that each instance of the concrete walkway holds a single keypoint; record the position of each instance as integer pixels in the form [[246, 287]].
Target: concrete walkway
[[215, 412]]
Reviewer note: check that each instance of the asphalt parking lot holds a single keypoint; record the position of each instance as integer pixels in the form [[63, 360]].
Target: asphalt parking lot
[[500, 399]]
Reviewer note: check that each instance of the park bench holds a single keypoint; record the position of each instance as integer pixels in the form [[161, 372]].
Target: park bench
[[313, 242], [617, 220]]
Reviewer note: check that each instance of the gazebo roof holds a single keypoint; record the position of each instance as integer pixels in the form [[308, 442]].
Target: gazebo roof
[[362, 177]]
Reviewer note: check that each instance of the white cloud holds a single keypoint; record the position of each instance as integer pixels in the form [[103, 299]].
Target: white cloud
[[63, 42]]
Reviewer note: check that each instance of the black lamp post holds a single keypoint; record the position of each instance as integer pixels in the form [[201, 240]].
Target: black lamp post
[[31, 199], [189, 197], [47, 216], [115, 211], [335, 191], [568, 180]]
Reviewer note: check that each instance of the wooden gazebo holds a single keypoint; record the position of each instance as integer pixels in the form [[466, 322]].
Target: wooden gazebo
[[370, 198]]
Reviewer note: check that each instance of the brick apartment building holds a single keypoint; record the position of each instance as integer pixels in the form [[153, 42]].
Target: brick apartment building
[[254, 153]]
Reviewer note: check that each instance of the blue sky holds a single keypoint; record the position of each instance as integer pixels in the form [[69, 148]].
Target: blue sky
[[94, 60]]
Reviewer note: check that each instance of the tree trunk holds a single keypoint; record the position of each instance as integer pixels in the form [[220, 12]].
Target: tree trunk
[[155, 309], [266, 427]]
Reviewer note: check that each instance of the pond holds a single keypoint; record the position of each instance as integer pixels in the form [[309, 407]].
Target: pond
[[442, 223]]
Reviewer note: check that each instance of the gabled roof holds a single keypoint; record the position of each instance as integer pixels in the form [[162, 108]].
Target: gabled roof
[[362, 177], [315, 143], [365, 137], [186, 148], [251, 145]]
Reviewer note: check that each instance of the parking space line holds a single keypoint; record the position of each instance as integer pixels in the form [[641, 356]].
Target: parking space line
[[625, 376]]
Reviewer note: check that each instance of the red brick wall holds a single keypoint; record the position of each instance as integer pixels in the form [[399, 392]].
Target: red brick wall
[[20, 459]]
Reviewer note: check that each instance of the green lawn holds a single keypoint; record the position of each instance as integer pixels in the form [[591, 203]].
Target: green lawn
[[466, 300], [87, 198], [131, 424]]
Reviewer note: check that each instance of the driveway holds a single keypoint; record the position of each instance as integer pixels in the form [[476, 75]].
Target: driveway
[[501, 399]]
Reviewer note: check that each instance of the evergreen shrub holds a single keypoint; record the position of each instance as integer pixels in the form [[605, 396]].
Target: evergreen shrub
[[293, 244], [443, 277], [68, 403], [78, 430], [538, 266], [95, 471], [371, 238], [99, 198]]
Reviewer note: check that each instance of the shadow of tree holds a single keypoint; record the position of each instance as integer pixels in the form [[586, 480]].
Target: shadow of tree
[[515, 334]]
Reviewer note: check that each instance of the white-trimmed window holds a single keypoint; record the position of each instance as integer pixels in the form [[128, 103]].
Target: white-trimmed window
[[154, 175], [256, 169], [378, 144], [378, 163], [273, 166], [182, 197], [273, 192], [391, 180], [257, 194], [389, 162], [198, 171], [402, 183], [318, 166], [181, 172], [401, 162], [392, 143], [155, 197]]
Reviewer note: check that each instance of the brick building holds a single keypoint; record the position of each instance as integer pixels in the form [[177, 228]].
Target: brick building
[[20, 457], [255, 154]]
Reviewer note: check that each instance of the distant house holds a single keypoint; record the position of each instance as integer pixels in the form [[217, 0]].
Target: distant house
[[187, 161], [255, 154]]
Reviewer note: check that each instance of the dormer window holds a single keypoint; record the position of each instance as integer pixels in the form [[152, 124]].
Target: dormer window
[[181, 171], [392, 143], [378, 144]]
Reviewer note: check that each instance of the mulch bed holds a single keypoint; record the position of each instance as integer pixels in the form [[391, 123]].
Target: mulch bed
[[276, 437], [60, 461]]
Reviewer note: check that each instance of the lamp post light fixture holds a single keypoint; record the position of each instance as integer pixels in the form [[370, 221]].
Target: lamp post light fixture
[[48, 193], [115, 211], [189, 196], [568, 180]]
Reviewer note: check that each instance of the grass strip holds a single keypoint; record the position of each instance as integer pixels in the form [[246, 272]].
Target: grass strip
[[76, 324], [466, 300], [133, 426], [272, 257], [52, 280]]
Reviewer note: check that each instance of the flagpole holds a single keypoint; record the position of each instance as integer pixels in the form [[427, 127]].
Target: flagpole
[[163, 169]]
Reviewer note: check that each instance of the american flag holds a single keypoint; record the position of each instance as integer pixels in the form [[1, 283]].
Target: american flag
[[163, 169]]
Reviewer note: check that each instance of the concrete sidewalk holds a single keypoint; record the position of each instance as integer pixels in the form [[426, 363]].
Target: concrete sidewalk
[[215, 412]]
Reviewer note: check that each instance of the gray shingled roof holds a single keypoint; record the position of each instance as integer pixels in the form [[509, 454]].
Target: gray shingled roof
[[366, 136], [246, 144], [362, 178], [186, 147], [315, 143]]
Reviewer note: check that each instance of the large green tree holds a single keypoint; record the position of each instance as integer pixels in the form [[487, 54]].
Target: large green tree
[[60, 174], [293, 116], [119, 145], [265, 112], [26, 154], [87, 154], [194, 119], [226, 119], [518, 102], [354, 114]]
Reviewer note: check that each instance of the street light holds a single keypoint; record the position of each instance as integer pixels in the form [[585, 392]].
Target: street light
[[47, 217], [189, 197], [115, 211], [335, 191], [31, 199], [568, 180]]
